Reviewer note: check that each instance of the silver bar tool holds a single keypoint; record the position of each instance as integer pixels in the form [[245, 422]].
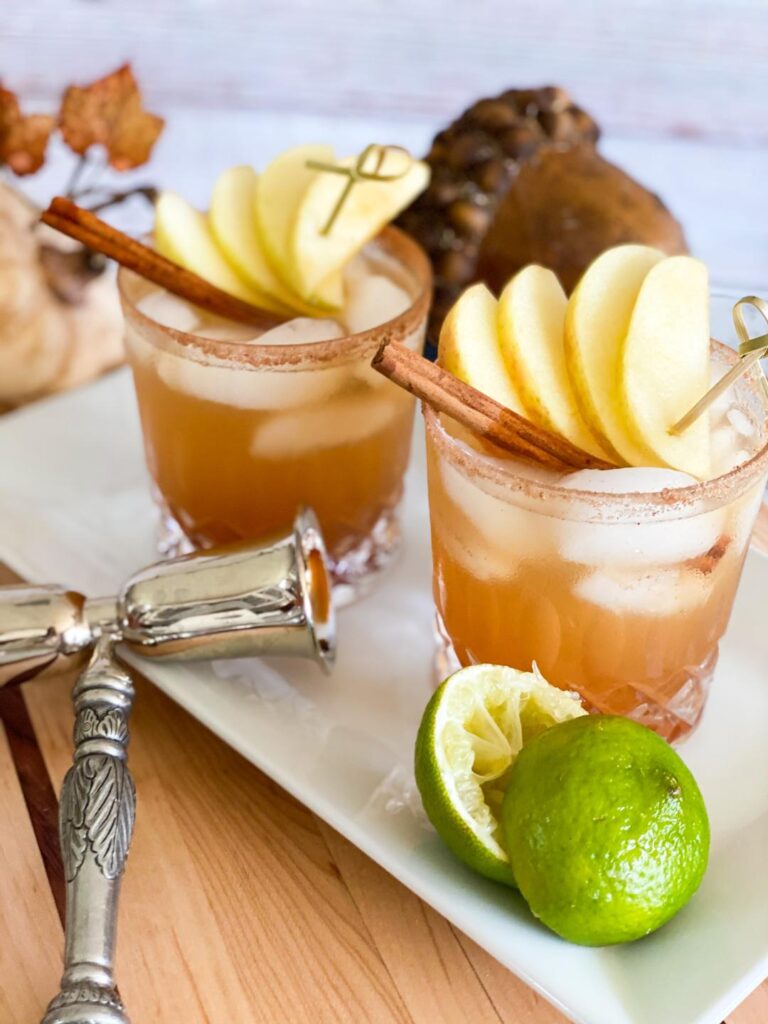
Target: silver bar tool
[[239, 601]]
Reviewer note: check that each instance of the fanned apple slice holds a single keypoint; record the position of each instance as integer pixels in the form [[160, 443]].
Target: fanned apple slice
[[367, 208], [329, 294], [531, 334], [183, 235], [233, 222], [281, 189], [469, 347], [596, 324], [665, 363]]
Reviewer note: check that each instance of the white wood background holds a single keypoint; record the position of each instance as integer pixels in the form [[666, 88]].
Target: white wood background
[[680, 86], [692, 67]]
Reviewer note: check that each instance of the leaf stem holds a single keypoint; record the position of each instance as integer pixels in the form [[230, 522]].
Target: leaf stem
[[77, 173], [100, 199]]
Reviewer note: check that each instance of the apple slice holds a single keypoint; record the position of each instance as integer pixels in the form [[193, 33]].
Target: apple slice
[[183, 235], [531, 334], [665, 363], [469, 347], [596, 324], [233, 222], [281, 189], [368, 207]]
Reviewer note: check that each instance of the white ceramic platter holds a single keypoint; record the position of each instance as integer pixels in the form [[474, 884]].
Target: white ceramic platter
[[74, 507]]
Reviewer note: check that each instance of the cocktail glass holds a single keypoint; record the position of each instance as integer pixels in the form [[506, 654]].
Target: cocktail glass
[[621, 597], [238, 434]]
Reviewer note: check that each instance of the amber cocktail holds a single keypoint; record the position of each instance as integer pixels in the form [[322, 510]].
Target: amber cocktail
[[620, 596], [239, 433]]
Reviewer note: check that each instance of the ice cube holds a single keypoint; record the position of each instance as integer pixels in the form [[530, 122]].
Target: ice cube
[[728, 450], [629, 480], [514, 533], [253, 388], [373, 299], [743, 514], [733, 460], [138, 349], [740, 422], [651, 594], [477, 556], [168, 310], [227, 330], [250, 388], [345, 421], [719, 408], [302, 330], [635, 544]]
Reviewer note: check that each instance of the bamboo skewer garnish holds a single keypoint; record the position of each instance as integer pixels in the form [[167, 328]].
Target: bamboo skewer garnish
[[358, 172], [96, 234], [479, 413], [751, 351]]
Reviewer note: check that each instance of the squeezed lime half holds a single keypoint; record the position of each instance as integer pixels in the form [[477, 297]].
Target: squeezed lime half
[[472, 731]]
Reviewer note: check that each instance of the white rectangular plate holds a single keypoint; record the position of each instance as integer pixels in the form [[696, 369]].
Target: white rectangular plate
[[74, 507]]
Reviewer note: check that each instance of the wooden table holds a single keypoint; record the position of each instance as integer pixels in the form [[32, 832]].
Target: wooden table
[[239, 905]]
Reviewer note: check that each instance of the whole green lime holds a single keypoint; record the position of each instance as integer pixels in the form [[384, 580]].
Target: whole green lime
[[606, 830]]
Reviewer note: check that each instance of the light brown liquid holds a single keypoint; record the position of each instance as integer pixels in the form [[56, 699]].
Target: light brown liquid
[[228, 473], [514, 600]]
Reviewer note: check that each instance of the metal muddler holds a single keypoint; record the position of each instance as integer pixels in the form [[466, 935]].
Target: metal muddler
[[233, 602]]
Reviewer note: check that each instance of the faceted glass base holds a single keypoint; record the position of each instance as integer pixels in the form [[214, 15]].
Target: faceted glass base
[[171, 539], [675, 720], [353, 573]]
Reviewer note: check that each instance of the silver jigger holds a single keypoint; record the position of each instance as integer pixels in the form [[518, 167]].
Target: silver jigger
[[232, 602]]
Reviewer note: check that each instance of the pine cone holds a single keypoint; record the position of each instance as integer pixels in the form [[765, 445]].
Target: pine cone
[[476, 163]]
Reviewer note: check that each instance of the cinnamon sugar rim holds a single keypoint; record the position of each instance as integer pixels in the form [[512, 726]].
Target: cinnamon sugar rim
[[393, 242], [675, 502]]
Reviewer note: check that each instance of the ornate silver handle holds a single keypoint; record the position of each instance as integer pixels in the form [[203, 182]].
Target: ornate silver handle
[[96, 818], [238, 601]]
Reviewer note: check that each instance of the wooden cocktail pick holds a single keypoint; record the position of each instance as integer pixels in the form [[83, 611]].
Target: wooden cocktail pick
[[751, 351], [367, 167]]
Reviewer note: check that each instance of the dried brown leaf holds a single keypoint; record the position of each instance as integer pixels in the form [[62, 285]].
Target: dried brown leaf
[[23, 138], [109, 112]]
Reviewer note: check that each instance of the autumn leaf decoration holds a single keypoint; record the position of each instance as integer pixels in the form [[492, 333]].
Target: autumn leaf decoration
[[108, 112], [102, 123], [23, 139]]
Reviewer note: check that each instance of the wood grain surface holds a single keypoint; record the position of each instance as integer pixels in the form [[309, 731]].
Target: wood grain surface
[[238, 903]]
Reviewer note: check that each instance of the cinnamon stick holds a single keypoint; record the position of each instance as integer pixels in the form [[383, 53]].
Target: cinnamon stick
[[93, 232], [478, 412]]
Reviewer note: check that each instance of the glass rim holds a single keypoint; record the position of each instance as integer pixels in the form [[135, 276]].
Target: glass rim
[[395, 244], [716, 492]]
